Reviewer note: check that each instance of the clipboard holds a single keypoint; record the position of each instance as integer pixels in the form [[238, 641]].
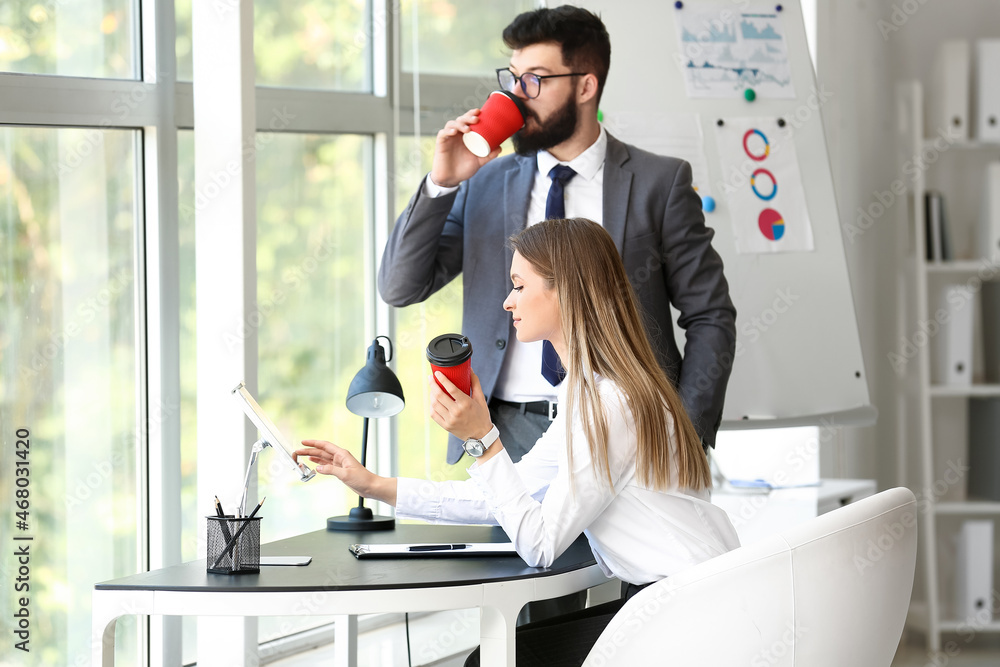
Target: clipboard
[[432, 550]]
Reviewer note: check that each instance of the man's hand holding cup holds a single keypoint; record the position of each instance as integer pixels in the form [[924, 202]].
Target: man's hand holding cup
[[465, 144]]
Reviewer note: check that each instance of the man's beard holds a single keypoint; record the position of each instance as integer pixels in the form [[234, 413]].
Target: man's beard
[[557, 129]]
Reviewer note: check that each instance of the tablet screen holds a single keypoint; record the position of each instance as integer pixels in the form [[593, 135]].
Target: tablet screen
[[270, 433]]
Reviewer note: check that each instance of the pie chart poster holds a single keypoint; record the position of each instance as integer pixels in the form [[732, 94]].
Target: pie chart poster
[[763, 186]]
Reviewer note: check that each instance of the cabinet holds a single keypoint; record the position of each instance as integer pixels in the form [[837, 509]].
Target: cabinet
[[933, 417]]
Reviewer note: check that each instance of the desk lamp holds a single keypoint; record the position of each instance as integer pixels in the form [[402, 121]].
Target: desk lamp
[[374, 392]]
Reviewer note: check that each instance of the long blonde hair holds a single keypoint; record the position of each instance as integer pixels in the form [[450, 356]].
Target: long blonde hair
[[604, 335]]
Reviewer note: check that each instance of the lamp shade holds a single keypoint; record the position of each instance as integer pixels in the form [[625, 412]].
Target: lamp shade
[[375, 390]]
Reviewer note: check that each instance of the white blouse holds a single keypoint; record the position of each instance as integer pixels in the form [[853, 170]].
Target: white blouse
[[637, 534]]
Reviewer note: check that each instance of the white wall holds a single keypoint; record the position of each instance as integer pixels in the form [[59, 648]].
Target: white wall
[[853, 63]]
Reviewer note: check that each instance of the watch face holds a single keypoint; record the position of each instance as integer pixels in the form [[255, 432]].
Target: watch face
[[475, 447]]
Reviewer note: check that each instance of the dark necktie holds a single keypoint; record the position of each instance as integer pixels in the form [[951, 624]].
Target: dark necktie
[[555, 207]]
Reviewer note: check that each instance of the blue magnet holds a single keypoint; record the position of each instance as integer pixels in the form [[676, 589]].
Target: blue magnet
[[679, 4], [708, 204]]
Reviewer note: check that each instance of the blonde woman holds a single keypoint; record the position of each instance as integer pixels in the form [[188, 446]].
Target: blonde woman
[[621, 462]]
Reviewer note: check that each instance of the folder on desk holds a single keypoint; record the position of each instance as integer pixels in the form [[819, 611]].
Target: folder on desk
[[431, 550], [988, 90], [949, 103]]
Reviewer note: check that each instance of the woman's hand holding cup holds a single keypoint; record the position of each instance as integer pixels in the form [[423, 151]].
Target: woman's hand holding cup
[[463, 416]]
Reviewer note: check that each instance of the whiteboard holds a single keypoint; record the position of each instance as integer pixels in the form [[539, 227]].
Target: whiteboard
[[802, 365]]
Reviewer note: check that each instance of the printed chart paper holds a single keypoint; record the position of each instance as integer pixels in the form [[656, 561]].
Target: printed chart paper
[[761, 179], [724, 51]]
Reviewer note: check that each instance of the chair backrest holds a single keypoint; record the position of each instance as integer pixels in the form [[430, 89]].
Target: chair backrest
[[833, 591]]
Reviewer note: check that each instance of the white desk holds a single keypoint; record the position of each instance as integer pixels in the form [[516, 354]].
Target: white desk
[[336, 583], [757, 514]]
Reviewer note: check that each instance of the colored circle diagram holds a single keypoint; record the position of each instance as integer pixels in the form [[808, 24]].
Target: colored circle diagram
[[754, 183], [760, 141], [771, 224]]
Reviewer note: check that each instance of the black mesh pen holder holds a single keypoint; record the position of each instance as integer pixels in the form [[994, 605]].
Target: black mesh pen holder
[[233, 545]]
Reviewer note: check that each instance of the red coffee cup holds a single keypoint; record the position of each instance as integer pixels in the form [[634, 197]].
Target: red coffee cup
[[452, 355], [502, 115]]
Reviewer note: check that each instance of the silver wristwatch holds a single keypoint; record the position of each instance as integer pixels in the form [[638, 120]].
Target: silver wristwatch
[[476, 447]]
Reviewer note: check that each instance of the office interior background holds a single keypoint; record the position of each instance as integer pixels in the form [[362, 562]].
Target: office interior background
[[98, 211]]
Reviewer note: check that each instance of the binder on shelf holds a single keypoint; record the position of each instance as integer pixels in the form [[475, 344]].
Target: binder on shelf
[[949, 98], [990, 303], [974, 572], [983, 482], [951, 346], [938, 241], [988, 90], [989, 218]]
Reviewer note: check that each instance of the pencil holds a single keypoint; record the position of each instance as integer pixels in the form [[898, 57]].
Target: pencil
[[224, 523]]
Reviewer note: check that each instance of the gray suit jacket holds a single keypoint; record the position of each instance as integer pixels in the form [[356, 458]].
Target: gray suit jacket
[[655, 218]]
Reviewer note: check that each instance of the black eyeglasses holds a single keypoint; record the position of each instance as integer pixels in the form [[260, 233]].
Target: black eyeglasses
[[531, 84]]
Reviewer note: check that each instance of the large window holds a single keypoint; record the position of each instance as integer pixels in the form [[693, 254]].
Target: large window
[[92, 229], [82, 38], [457, 37], [423, 448], [310, 300], [312, 216], [312, 44], [68, 388]]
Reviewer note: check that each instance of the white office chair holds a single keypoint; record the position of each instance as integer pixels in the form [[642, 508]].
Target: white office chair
[[833, 591]]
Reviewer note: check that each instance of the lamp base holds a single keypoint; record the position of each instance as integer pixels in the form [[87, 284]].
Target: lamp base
[[360, 519]]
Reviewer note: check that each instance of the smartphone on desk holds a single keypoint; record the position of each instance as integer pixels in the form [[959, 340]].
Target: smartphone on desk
[[285, 560]]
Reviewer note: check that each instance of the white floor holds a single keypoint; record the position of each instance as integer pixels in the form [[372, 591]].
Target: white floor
[[958, 651], [444, 639]]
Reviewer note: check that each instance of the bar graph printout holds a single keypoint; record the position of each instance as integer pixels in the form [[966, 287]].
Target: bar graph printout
[[725, 50]]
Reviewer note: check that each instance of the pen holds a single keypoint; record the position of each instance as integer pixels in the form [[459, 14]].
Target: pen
[[232, 542], [222, 515], [438, 547]]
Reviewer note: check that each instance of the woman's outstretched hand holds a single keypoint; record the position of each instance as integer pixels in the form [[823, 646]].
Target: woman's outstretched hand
[[461, 415], [337, 461]]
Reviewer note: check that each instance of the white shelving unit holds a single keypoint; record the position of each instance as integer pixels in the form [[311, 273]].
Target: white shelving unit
[[927, 410]]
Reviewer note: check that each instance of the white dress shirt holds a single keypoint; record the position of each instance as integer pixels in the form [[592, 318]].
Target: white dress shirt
[[520, 379], [637, 534]]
